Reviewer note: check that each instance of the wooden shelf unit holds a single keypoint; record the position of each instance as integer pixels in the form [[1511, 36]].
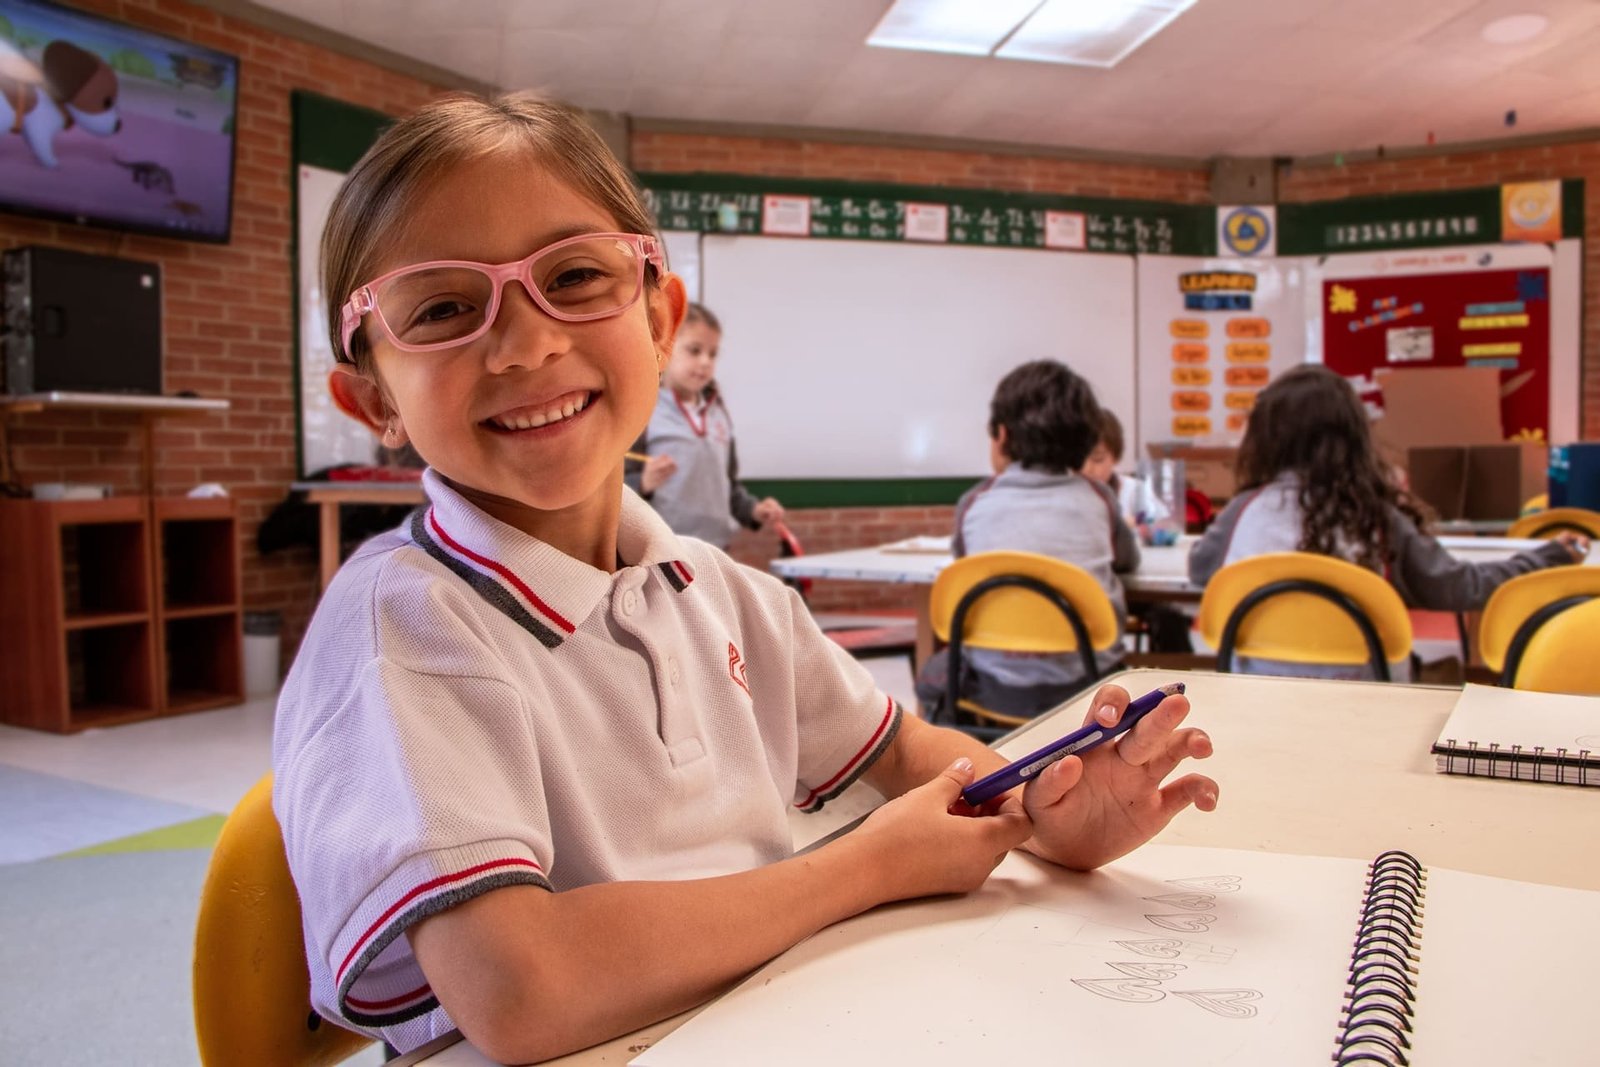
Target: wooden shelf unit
[[117, 610]]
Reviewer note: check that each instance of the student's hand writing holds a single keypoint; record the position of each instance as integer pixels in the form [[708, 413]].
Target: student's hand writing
[[1576, 543], [768, 511], [919, 847], [657, 469], [1088, 811]]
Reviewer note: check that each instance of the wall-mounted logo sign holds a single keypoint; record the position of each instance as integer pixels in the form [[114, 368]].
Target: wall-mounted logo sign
[[1247, 230]]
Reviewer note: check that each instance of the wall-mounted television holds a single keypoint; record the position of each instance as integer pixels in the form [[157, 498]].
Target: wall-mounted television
[[106, 124]]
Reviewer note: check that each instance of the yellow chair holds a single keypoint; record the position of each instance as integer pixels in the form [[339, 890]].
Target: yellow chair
[[1300, 607], [1557, 520], [1519, 607], [1018, 602], [1560, 657], [1535, 503], [252, 991]]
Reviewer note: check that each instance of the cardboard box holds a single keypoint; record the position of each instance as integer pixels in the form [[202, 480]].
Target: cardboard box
[[1442, 425], [1478, 481], [1208, 468]]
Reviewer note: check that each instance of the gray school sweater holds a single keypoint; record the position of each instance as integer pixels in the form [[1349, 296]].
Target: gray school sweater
[[703, 498], [1066, 516], [1269, 519]]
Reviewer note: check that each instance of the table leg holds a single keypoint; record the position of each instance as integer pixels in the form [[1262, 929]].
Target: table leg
[[328, 539]]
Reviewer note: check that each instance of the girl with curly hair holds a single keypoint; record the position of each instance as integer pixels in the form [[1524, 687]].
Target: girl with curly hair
[[1311, 480]]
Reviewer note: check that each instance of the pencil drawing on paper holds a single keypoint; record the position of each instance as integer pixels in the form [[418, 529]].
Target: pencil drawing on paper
[[1127, 990], [1186, 901], [1188, 924], [1228, 1003], [1159, 972], [1217, 883], [1171, 948]]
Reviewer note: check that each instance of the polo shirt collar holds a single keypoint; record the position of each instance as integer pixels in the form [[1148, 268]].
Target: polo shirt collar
[[541, 588]]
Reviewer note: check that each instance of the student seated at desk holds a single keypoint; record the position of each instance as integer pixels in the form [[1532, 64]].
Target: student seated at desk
[[1311, 481], [1043, 423], [535, 760], [692, 474]]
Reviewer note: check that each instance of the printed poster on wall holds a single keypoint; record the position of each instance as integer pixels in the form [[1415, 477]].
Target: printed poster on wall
[[1248, 230], [1212, 334], [1491, 315], [1530, 211]]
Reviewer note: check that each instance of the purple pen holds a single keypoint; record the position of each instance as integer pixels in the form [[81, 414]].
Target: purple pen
[[1028, 767]]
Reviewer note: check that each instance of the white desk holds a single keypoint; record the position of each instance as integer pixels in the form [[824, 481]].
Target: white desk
[[1162, 574], [1327, 768]]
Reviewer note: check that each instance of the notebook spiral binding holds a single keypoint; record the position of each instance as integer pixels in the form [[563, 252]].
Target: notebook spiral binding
[[1380, 994], [1515, 761]]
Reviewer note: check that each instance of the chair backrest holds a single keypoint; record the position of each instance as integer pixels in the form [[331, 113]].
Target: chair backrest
[[252, 991], [1561, 656], [1556, 520], [1017, 618], [1523, 604], [1301, 607], [1535, 503]]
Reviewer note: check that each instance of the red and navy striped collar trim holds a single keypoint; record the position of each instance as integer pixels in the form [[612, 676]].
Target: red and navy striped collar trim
[[492, 580]]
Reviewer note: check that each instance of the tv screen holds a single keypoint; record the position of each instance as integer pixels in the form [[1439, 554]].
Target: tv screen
[[108, 125]]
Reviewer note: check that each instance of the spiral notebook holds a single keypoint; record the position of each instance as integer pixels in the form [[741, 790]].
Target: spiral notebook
[[1511, 733], [1178, 955]]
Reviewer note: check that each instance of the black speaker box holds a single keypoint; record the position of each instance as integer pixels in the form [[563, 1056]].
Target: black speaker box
[[80, 323]]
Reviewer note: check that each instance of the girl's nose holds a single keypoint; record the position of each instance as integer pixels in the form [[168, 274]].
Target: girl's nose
[[523, 335]]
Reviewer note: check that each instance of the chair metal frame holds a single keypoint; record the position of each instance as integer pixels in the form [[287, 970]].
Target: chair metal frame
[[1526, 631], [1343, 601]]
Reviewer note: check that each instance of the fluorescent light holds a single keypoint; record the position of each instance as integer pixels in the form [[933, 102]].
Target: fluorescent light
[[969, 27], [1095, 33]]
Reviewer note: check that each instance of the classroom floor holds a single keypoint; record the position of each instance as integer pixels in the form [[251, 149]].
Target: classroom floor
[[103, 848]]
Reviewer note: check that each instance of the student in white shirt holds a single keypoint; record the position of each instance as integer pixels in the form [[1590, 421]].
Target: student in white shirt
[[1139, 503], [534, 760]]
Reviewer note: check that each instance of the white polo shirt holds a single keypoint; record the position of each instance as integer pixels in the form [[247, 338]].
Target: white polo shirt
[[471, 708]]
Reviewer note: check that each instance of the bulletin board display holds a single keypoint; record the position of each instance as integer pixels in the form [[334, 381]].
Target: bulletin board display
[[1212, 334], [1494, 307], [875, 360]]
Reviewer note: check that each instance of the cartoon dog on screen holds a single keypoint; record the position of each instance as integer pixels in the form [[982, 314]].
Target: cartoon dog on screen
[[76, 88]]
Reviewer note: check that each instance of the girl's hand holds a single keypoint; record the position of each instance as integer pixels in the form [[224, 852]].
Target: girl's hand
[[1577, 544], [768, 511], [657, 469], [1088, 811], [928, 841]]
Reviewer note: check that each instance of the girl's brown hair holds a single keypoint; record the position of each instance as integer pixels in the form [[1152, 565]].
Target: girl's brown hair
[[371, 205], [1309, 422]]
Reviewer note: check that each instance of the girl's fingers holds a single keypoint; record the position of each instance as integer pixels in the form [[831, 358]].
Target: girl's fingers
[[1189, 743], [1149, 738], [1194, 789], [1108, 705], [1054, 782]]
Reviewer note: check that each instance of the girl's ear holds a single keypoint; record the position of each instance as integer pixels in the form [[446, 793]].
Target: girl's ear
[[362, 399], [666, 306]]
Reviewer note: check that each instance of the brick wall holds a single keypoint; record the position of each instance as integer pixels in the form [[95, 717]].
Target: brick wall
[[227, 308], [1456, 170]]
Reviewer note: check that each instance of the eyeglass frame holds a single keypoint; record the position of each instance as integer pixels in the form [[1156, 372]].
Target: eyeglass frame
[[363, 301]]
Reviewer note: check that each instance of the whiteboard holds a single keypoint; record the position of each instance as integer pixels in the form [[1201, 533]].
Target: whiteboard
[[863, 359], [327, 435], [1168, 330]]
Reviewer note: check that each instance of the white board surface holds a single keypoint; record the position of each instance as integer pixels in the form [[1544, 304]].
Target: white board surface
[[861, 359], [327, 435]]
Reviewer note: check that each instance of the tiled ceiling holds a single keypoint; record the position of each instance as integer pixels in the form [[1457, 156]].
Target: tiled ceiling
[[1228, 77]]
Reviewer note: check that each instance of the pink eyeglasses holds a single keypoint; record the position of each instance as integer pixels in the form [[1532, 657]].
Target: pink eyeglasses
[[444, 303]]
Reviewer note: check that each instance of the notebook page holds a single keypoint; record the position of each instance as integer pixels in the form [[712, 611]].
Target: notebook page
[[1507, 973], [1204, 956], [1489, 715]]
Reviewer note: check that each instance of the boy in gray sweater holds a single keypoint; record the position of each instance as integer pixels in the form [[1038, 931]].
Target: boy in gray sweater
[[1043, 422]]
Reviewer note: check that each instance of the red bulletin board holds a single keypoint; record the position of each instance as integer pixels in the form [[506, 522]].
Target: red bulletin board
[[1494, 318]]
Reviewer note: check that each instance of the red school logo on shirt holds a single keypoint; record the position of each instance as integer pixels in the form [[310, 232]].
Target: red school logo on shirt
[[736, 669]]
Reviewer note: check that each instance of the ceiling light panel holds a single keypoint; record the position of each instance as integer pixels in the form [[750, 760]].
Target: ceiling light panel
[[1091, 33], [961, 26]]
